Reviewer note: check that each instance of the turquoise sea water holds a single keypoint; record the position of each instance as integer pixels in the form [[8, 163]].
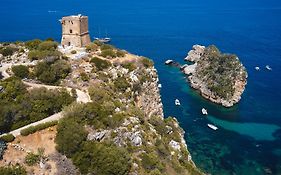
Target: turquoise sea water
[[248, 140]]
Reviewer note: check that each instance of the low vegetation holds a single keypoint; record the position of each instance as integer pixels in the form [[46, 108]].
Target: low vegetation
[[8, 50], [147, 62], [13, 170], [33, 129], [220, 71], [100, 64], [51, 71], [34, 158], [21, 71], [39, 50], [7, 138], [101, 158], [20, 107]]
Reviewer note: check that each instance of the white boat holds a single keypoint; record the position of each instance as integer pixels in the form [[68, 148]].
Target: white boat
[[204, 111], [169, 62], [257, 68], [159, 85], [212, 126], [177, 102], [104, 40], [268, 68]]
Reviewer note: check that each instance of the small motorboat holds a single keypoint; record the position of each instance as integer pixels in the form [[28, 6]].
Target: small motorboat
[[204, 111], [167, 62], [212, 126], [268, 68], [103, 40], [177, 102], [257, 68], [159, 85]]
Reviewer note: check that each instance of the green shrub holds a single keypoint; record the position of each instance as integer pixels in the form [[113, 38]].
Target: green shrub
[[92, 47], [100, 64], [73, 52], [121, 84], [70, 135], [20, 71], [155, 172], [98, 43], [106, 47], [52, 73], [32, 159], [100, 158], [159, 124], [84, 76], [33, 129], [13, 170], [7, 138], [49, 39], [120, 53], [108, 53], [48, 45], [41, 54], [99, 94], [147, 62], [32, 44], [150, 162], [103, 76], [130, 66], [8, 51]]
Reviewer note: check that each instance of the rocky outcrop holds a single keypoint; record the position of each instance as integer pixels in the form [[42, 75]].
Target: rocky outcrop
[[149, 100], [218, 81], [195, 54]]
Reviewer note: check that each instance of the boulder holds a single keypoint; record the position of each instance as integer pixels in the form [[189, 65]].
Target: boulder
[[175, 145], [98, 136]]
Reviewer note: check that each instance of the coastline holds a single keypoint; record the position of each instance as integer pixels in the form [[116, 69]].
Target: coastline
[[154, 106]]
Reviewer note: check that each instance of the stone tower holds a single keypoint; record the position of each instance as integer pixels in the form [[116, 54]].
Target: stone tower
[[75, 31]]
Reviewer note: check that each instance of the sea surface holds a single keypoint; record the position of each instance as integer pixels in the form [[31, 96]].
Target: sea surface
[[248, 141]]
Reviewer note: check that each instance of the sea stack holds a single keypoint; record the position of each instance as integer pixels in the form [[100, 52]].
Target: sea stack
[[219, 77]]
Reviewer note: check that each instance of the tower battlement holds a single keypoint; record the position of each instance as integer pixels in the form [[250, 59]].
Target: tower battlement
[[75, 31]]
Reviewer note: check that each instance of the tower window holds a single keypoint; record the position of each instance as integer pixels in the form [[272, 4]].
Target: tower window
[[70, 31]]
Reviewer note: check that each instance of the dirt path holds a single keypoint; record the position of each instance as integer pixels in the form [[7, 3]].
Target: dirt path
[[82, 97]]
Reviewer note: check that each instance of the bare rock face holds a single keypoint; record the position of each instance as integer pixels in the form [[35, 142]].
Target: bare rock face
[[97, 135], [175, 145], [149, 100], [64, 165], [221, 78], [195, 54]]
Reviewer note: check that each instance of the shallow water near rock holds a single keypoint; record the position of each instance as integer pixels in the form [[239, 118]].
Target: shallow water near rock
[[248, 140]]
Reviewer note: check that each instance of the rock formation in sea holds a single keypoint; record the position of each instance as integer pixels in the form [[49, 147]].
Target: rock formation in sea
[[219, 77]]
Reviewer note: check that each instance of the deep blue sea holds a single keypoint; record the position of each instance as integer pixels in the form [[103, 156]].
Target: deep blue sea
[[248, 141]]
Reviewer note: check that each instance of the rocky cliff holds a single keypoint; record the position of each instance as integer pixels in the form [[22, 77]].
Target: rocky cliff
[[219, 77], [122, 129]]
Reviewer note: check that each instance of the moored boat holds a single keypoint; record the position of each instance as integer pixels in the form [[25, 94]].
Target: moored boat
[[268, 67], [204, 111], [212, 126], [167, 62], [177, 102], [104, 40]]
